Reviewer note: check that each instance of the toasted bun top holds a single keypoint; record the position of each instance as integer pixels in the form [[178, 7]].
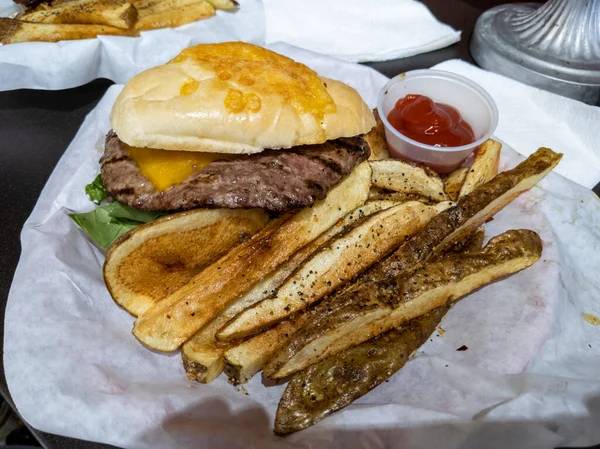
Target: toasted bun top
[[235, 98]]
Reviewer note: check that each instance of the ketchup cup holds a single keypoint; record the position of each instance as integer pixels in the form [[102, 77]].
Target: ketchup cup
[[472, 101]]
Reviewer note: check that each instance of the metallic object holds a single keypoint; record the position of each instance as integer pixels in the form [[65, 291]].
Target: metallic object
[[554, 46]]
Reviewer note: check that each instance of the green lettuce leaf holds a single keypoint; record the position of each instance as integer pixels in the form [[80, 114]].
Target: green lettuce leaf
[[122, 212], [107, 223], [96, 191]]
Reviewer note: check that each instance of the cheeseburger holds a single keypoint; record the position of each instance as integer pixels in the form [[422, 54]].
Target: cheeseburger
[[232, 125]]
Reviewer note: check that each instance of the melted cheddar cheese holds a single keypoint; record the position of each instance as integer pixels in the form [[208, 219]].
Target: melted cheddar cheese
[[264, 73], [166, 168]]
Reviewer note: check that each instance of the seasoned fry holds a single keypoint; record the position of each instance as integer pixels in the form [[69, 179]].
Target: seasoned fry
[[14, 31], [175, 319], [156, 259], [337, 381], [116, 13], [403, 298], [473, 242], [376, 140], [484, 168], [379, 194], [338, 262], [203, 353], [400, 176], [244, 360], [85, 19], [154, 7], [175, 17], [444, 230], [455, 181], [224, 4]]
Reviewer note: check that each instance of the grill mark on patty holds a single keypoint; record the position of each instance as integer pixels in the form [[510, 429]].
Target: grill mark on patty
[[277, 181], [313, 185], [117, 159], [331, 165], [125, 191]]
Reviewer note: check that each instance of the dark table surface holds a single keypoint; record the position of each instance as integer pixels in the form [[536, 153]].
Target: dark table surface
[[37, 126]]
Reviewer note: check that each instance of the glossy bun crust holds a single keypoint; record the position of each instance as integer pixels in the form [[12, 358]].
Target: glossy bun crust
[[235, 98]]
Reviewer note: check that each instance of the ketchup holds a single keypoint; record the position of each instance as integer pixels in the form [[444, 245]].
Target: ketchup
[[420, 118]]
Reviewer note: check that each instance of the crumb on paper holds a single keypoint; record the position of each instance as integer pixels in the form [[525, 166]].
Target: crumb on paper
[[463, 348], [590, 318], [441, 331], [243, 390]]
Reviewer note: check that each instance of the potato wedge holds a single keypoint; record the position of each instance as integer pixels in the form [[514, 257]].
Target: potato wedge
[[156, 259], [116, 13], [155, 7], [379, 194], [376, 140], [15, 31], [334, 383], [455, 181], [433, 285], [400, 176], [224, 4], [172, 321], [472, 242], [337, 381], [338, 262], [247, 358], [439, 235], [203, 353], [175, 17], [484, 168]]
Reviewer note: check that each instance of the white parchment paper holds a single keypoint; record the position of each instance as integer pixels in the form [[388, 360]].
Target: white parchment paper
[[61, 65], [529, 378]]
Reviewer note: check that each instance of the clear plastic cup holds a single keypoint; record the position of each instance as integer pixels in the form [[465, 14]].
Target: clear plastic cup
[[472, 101]]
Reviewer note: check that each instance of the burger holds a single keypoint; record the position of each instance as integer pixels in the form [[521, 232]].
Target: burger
[[232, 125]]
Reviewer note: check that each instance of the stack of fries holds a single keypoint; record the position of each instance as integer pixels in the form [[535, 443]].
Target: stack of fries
[[84, 19], [338, 295]]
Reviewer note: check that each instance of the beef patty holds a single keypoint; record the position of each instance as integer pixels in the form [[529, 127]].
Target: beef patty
[[277, 181]]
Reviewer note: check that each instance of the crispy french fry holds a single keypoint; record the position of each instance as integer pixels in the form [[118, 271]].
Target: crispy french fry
[[156, 259], [444, 230], [337, 381], [484, 168], [154, 7], [247, 358], [339, 261], [175, 17], [171, 322], [203, 353], [379, 194], [433, 285], [116, 13], [472, 242], [334, 383], [455, 181], [224, 4], [14, 31], [400, 176], [376, 140]]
